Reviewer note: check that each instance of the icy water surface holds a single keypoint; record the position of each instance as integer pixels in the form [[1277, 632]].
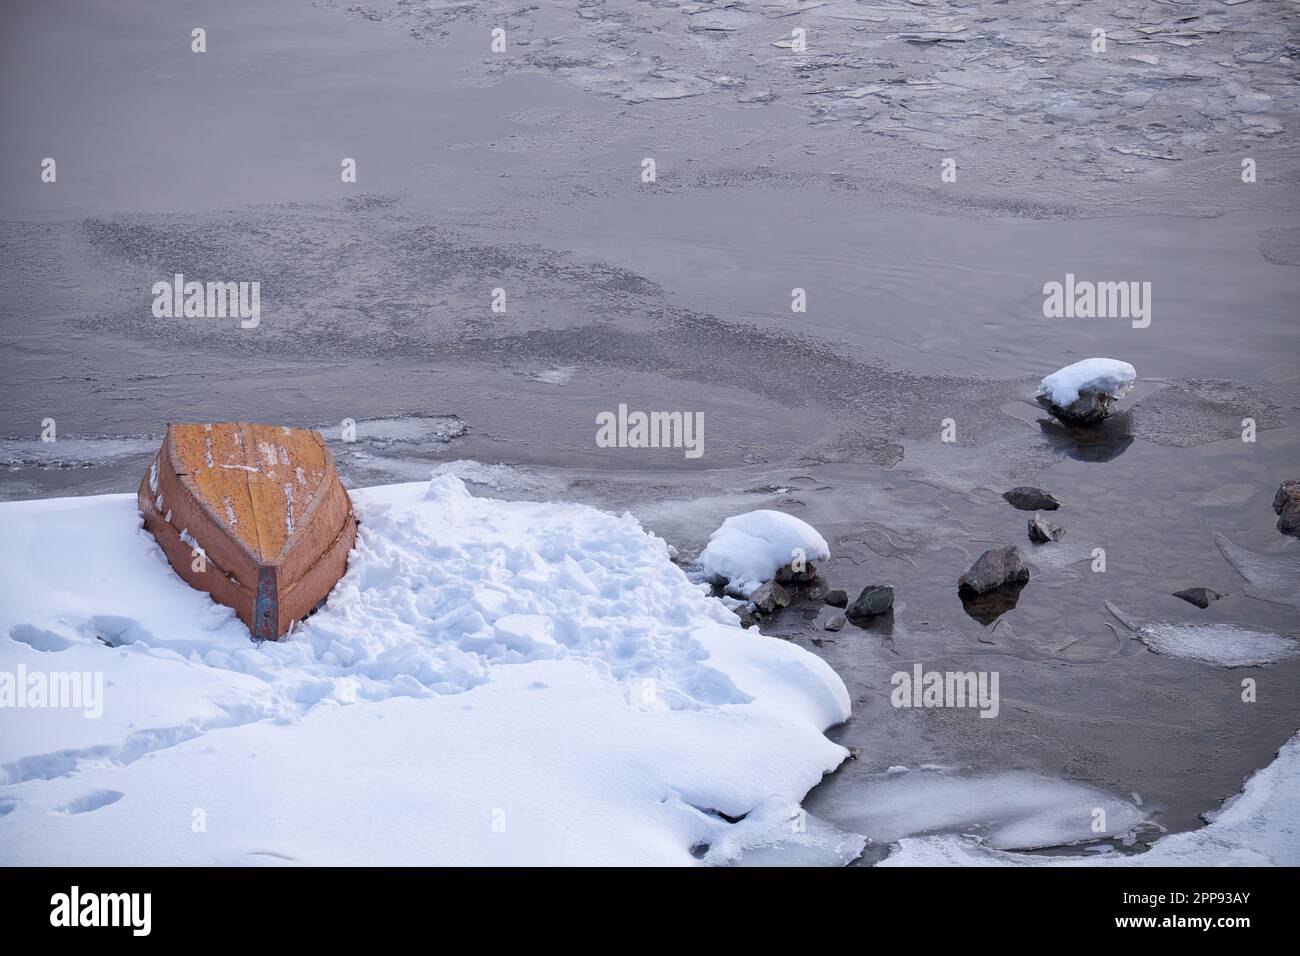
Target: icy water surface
[[775, 170]]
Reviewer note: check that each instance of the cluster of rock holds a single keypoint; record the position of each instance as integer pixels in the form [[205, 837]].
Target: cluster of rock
[[742, 565], [989, 588], [1029, 498], [992, 585], [785, 587], [789, 587]]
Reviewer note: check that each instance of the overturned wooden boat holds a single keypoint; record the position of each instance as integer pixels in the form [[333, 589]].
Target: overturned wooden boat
[[253, 514]]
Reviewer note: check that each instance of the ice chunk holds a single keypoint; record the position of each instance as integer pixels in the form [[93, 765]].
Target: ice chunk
[[813, 843], [749, 548], [572, 576], [1017, 810], [1225, 645], [1269, 577], [74, 452], [526, 633]]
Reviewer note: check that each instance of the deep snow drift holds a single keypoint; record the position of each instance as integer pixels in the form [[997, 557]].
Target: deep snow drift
[[491, 682]]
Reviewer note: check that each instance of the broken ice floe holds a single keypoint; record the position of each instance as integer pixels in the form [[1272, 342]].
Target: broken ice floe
[[803, 840], [1205, 79], [1224, 645], [404, 430], [1016, 810], [1269, 577], [73, 452], [1255, 827], [514, 481], [404, 447]]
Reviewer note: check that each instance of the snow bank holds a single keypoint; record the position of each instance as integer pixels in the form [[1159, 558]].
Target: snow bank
[[491, 682], [749, 548], [1099, 375], [1258, 827]]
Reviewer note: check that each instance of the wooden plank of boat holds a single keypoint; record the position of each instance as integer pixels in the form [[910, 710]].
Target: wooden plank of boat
[[253, 514]]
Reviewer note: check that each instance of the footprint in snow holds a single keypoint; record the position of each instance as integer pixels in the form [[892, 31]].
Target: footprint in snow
[[94, 800]]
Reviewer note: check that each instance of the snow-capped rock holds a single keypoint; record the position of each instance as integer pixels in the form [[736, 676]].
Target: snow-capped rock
[[752, 548], [1087, 391]]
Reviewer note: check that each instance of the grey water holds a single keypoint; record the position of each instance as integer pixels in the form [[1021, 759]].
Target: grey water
[[775, 170]]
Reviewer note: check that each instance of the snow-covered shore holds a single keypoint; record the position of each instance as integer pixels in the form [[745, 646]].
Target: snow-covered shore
[[491, 682]]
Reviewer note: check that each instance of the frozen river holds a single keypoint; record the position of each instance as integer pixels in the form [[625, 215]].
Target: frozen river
[[775, 170]]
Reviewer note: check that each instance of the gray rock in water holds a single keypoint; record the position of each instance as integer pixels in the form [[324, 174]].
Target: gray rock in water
[[1088, 409], [831, 620], [993, 569], [788, 575], [837, 597], [815, 590], [746, 616], [770, 596], [1028, 498], [1201, 597], [874, 600], [1286, 505], [1042, 531]]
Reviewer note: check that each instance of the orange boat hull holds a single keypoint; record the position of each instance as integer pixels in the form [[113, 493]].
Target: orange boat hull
[[255, 515]]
